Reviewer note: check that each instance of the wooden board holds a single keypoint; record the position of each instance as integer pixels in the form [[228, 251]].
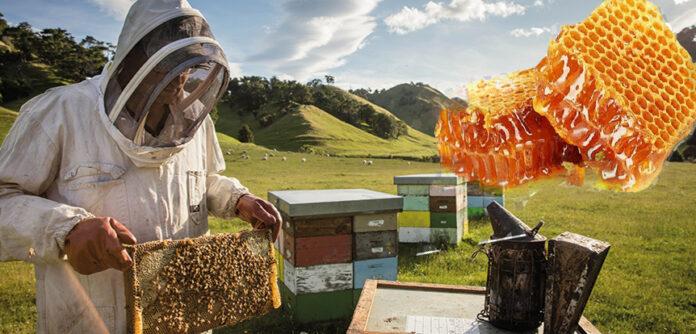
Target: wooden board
[[437, 178], [279, 264], [414, 219], [382, 269], [310, 251], [440, 190], [384, 307], [313, 227], [412, 189], [312, 307], [321, 278], [447, 204], [414, 234], [416, 203], [448, 219], [333, 202], [375, 222], [375, 245], [356, 297], [474, 202], [452, 236]]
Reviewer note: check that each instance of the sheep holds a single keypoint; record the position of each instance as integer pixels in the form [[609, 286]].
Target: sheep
[[285, 158], [369, 162], [304, 160]]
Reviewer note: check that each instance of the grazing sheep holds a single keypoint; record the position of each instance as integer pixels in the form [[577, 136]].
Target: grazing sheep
[[364, 162], [304, 160], [409, 163], [285, 158], [369, 162], [264, 158]]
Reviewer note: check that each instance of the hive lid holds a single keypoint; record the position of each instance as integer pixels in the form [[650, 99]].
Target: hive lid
[[307, 203], [438, 178]]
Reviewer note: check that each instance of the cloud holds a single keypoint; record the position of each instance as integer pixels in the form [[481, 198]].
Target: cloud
[[679, 2], [115, 8], [534, 31], [685, 19], [411, 19], [316, 36], [538, 3]]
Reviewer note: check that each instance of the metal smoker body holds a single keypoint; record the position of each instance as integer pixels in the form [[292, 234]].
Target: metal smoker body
[[515, 284], [516, 273]]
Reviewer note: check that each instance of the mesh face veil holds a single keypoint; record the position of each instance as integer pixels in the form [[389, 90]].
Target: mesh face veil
[[161, 92]]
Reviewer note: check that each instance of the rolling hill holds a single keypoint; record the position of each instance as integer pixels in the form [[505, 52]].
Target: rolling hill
[[311, 129], [418, 104]]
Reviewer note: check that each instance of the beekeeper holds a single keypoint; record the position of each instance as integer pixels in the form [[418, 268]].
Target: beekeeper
[[127, 156]]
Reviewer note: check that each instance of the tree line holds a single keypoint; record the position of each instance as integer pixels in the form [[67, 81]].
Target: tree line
[[33, 60], [269, 99]]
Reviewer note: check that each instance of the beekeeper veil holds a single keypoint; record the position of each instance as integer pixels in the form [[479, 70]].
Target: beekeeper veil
[[159, 92]]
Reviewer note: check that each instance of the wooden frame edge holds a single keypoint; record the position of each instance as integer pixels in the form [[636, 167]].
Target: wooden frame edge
[[358, 324]]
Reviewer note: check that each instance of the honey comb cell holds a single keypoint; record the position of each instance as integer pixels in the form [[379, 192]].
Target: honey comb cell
[[627, 99], [499, 139], [615, 93]]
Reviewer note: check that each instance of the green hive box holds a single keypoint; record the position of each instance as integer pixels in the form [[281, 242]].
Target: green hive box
[[317, 307]]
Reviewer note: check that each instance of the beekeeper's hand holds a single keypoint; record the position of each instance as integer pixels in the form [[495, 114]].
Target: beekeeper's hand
[[260, 213], [94, 245]]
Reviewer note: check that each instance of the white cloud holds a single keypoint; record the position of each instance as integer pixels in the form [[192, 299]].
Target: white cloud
[[411, 19], [683, 20], [679, 2], [534, 31], [116, 8], [235, 70], [538, 3], [316, 36]]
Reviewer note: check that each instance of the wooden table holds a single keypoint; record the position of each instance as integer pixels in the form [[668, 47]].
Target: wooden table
[[394, 307]]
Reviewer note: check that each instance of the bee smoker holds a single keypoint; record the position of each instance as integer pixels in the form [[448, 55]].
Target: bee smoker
[[516, 254]]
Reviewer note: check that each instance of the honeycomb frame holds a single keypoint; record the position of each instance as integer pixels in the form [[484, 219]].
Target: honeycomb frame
[[194, 285], [499, 139], [620, 87]]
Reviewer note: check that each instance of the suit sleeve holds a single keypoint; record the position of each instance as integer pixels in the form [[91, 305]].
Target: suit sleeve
[[223, 192], [32, 228]]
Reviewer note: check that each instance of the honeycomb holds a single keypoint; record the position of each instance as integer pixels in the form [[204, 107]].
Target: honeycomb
[[499, 139], [194, 285], [619, 87], [617, 93]]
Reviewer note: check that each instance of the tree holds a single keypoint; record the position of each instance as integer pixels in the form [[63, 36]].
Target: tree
[[245, 134], [329, 79]]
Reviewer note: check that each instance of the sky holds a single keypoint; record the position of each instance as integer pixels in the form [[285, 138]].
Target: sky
[[362, 43]]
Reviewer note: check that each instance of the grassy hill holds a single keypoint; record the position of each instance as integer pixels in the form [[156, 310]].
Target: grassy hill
[[418, 105], [311, 129]]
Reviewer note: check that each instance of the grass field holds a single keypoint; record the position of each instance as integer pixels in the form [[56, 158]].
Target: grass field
[[648, 284]]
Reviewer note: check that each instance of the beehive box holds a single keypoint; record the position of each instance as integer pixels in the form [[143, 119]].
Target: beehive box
[[393, 307], [332, 241], [195, 285], [479, 197], [435, 208]]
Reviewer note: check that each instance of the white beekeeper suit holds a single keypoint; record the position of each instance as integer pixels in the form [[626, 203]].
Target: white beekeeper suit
[[89, 149]]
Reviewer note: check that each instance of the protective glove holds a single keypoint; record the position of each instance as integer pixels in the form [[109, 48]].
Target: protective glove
[[259, 213], [94, 245]]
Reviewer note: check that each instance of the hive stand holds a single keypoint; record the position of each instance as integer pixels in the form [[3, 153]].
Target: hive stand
[[330, 243]]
